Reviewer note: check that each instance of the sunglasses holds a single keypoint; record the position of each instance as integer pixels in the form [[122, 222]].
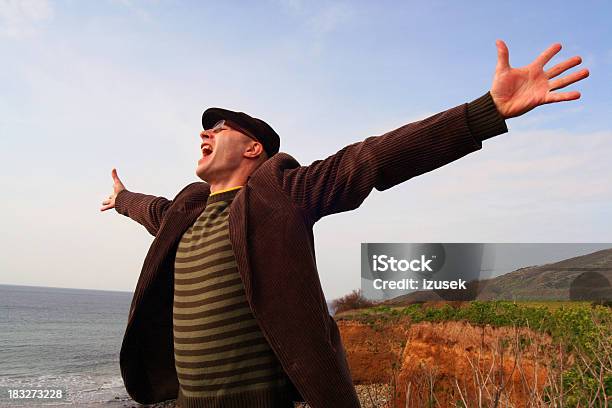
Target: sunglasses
[[226, 125]]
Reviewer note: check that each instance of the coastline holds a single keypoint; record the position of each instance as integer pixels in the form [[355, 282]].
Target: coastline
[[370, 395]]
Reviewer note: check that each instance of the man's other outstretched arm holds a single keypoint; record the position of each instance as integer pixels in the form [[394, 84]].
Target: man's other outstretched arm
[[342, 181], [147, 210]]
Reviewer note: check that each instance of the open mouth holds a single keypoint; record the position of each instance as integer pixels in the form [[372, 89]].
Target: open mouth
[[206, 149]]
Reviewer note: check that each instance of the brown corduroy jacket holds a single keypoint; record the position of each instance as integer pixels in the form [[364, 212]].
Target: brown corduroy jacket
[[271, 221]]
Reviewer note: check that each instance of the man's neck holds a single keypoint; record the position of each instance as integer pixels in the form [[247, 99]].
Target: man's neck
[[224, 185], [233, 179]]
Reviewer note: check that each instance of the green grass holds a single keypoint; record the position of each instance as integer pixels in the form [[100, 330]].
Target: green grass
[[553, 304], [575, 320]]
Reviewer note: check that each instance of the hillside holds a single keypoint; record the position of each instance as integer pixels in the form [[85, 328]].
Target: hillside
[[586, 277]]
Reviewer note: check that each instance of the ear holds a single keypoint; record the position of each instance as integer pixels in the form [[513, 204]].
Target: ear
[[254, 150]]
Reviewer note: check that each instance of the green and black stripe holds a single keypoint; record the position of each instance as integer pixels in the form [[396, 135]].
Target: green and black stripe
[[222, 357]]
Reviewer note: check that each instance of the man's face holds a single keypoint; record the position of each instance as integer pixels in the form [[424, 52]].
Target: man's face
[[222, 150]]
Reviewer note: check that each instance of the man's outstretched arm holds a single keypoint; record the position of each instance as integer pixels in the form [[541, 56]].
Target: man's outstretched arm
[[145, 209], [342, 181]]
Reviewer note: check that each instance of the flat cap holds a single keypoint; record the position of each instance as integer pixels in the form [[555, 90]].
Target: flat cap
[[257, 128]]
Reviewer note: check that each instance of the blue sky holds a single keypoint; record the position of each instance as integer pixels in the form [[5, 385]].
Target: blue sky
[[87, 86]]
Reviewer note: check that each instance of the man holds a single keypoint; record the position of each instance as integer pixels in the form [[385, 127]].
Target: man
[[228, 310]]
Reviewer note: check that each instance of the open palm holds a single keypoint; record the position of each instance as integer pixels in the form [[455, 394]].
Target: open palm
[[519, 90], [109, 203]]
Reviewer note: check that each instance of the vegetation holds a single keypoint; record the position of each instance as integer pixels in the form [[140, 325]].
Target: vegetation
[[579, 360], [352, 301]]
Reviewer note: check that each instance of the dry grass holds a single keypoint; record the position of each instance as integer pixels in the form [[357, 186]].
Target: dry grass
[[456, 364]]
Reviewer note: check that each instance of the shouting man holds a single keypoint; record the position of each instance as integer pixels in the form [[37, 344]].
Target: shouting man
[[228, 310]]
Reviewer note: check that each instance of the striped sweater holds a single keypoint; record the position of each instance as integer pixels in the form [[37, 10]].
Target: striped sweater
[[222, 358]]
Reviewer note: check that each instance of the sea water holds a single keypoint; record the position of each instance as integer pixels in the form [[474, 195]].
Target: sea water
[[67, 339]]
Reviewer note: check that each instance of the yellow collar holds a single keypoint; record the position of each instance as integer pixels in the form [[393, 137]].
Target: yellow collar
[[227, 189]]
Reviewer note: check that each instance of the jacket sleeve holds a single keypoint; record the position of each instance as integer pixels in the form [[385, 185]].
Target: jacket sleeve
[[147, 210], [342, 181]]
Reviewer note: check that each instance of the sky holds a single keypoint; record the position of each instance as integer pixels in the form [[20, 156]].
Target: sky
[[86, 86]]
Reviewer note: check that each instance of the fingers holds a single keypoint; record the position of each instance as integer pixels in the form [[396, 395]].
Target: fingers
[[107, 207], [563, 66], [546, 56], [115, 176], [568, 79], [503, 61], [561, 96], [108, 203], [118, 185]]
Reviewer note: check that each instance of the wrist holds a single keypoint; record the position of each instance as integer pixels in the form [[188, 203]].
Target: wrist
[[484, 118], [119, 201]]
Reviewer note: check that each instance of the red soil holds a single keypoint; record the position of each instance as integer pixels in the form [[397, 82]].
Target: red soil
[[446, 357]]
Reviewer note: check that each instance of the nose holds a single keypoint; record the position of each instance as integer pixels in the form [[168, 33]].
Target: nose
[[206, 134]]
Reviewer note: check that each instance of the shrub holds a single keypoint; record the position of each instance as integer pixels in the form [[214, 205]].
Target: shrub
[[352, 301]]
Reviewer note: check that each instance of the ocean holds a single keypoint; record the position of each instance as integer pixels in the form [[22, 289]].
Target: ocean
[[65, 339], [68, 339]]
